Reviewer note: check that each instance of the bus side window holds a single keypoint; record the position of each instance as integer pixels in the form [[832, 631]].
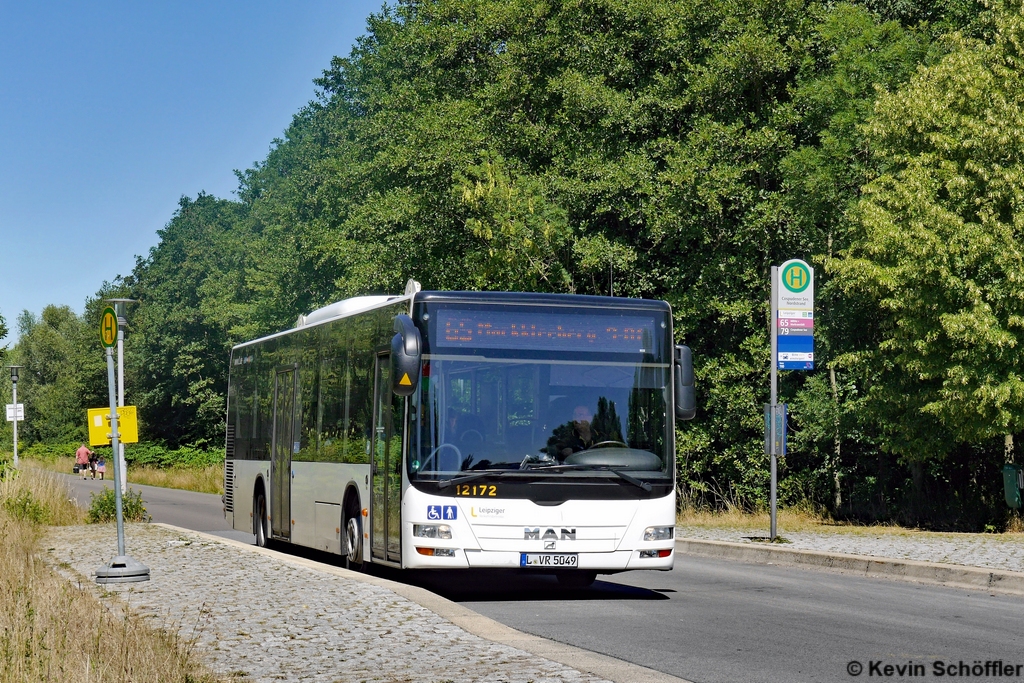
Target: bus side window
[[361, 409], [332, 410], [309, 391]]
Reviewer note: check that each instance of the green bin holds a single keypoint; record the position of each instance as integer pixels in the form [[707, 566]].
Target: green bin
[[1012, 485]]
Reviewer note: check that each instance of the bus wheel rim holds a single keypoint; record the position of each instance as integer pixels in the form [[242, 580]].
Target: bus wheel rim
[[353, 539]]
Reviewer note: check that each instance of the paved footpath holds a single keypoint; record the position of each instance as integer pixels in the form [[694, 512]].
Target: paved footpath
[[271, 619], [991, 551]]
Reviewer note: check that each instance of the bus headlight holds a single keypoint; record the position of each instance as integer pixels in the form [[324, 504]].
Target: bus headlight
[[659, 533], [432, 531]]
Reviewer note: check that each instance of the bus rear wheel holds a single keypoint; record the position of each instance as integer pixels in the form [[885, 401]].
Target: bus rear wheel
[[354, 540], [259, 520]]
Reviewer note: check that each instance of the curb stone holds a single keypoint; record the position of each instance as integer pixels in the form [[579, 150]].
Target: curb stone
[[935, 573]]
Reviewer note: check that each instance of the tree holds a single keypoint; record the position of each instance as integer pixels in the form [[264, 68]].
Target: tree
[[192, 308], [53, 383], [939, 248]]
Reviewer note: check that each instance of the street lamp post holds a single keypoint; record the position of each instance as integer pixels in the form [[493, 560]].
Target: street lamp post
[[14, 400], [122, 322]]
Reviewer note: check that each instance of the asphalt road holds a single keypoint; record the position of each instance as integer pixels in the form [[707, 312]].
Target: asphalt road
[[713, 621], [196, 511]]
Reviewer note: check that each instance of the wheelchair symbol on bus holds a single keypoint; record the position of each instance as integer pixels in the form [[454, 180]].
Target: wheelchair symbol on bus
[[445, 512]]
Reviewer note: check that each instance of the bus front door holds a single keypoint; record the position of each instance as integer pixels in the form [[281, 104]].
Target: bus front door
[[281, 461], [386, 539]]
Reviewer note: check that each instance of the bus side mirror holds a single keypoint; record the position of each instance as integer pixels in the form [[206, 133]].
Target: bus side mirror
[[686, 396], [405, 357]]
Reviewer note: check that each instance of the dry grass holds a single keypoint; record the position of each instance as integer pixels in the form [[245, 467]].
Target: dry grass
[[805, 520], [790, 519], [53, 630], [39, 497], [203, 480]]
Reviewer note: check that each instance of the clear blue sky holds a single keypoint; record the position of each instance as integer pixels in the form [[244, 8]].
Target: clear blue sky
[[111, 111]]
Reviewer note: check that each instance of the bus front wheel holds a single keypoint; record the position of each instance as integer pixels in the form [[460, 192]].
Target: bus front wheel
[[259, 520]]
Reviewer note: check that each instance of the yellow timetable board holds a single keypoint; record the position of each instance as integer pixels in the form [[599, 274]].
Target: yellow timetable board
[[99, 425]]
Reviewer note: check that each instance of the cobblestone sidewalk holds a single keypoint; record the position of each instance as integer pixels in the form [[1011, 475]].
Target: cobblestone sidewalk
[[993, 551], [270, 620]]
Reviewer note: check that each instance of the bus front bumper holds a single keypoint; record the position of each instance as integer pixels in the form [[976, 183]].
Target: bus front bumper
[[617, 561]]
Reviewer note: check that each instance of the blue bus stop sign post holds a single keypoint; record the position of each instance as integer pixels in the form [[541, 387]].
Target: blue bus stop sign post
[[792, 335]]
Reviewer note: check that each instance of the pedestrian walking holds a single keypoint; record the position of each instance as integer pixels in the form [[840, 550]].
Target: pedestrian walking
[[82, 459]]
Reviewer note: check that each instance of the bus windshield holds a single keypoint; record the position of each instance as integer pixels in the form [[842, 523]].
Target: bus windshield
[[518, 388]]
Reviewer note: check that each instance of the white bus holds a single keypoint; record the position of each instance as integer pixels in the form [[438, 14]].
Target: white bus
[[462, 430]]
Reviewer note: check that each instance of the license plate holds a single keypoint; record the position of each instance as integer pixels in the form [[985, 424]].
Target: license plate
[[548, 560]]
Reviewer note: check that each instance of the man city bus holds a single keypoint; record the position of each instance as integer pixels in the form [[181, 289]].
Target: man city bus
[[464, 430]]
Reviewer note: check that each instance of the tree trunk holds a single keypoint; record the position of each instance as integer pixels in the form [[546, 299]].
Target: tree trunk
[[917, 478], [1008, 448]]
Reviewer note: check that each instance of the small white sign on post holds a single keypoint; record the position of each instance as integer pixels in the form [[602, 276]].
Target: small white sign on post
[[10, 412]]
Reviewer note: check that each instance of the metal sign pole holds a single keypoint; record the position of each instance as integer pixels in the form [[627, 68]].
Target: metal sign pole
[[14, 399], [115, 440], [774, 397], [122, 322], [122, 569], [122, 478]]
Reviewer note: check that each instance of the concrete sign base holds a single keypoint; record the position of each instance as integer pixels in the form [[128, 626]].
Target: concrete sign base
[[122, 569]]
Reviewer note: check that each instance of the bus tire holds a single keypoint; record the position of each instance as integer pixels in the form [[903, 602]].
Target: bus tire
[[576, 579], [259, 519], [353, 538]]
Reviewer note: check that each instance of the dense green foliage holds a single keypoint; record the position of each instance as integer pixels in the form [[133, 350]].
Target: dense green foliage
[[146, 453], [671, 150]]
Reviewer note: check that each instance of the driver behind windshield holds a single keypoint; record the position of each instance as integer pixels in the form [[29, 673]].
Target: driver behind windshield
[[584, 431]]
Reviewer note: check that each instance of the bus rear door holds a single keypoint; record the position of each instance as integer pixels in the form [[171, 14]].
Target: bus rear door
[[281, 463]]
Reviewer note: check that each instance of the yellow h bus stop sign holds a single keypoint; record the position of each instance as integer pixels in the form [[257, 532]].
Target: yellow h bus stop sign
[[99, 426], [108, 327]]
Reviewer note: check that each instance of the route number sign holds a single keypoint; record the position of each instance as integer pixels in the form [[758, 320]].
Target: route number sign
[[108, 327]]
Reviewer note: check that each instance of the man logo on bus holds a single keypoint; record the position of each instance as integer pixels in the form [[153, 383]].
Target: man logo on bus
[[549, 534], [796, 277]]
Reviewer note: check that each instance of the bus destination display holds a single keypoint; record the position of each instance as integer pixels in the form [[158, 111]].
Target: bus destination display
[[544, 331]]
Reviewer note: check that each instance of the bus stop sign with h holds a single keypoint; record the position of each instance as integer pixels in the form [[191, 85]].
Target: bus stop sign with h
[[121, 569], [792, 334]]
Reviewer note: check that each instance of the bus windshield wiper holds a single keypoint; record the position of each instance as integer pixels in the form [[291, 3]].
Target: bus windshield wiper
[[599, 468], [445, 483]]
